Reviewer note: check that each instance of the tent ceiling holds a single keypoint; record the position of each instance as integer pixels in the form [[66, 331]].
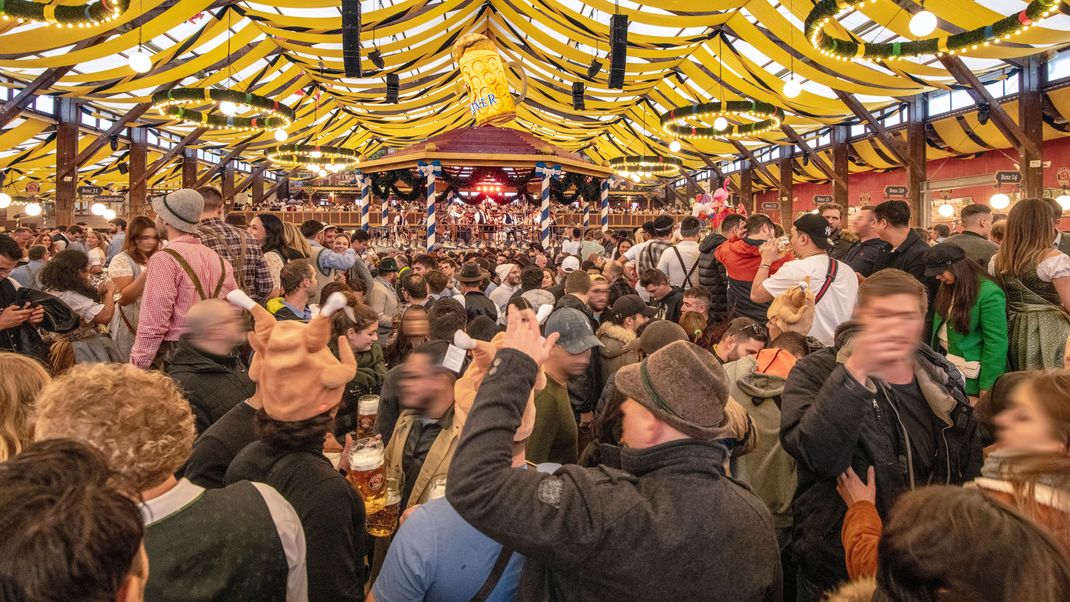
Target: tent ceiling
[[680, 51]]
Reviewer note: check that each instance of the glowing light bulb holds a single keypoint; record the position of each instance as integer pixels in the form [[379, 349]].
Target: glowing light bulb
[[1063, 200], [281, 135], [946, 210], [999, 201], [315, 154], [109, 214], [674, 146], [636, 178], [792, 88], [228, 108], [140, 61], [322, 173], [720, 124], [97, 209], [33, 209], [5, 200], [922, 23]]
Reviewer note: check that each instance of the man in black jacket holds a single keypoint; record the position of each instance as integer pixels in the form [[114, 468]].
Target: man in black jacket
[[711, 272], [17, 332], [669, 526], [212, 377], [879, 398]]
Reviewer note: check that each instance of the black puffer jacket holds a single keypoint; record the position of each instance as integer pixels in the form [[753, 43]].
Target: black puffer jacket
[[213, 384], [830, 422], [712, 275]]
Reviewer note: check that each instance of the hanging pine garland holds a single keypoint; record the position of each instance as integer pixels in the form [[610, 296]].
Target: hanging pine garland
[[679, 121], [173, 103], [86, 15], [1004, 29]]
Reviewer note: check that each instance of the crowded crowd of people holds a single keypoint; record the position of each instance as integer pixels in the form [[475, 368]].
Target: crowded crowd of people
[[193, 407]]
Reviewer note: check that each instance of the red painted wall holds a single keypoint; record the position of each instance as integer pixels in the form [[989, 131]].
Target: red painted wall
[[1056, 151]]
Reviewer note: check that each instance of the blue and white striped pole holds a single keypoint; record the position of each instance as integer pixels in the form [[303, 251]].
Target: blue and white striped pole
[[545, 173], [605, 204], [365, 183], [586, 216], [432, 171]]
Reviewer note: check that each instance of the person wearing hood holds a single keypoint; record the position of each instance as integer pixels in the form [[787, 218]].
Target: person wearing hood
[[619, 328], [741, 256], [530, 288], [711, 272], [757, 383], [205, 366], [879, 397], [702, 535], [509, 276]]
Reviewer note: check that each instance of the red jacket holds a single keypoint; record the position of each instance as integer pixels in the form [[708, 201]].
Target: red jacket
[[741, 259]]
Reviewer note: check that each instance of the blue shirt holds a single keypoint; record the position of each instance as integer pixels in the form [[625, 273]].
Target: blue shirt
[[436, 555], [329, 260], [116, 245], [26, 274]]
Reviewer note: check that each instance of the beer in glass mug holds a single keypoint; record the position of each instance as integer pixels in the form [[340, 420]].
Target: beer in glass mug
[[385, 521], [367, 473], [367, 410]]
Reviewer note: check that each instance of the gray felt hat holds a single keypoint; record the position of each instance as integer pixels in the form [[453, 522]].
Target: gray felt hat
[[180, 209]]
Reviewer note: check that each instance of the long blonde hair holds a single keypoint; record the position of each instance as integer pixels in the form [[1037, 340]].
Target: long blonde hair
[[295, 240], [21, 379], [1030, 232]]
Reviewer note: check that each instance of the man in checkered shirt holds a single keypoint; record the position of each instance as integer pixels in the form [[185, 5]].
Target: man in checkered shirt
[[235, 245]]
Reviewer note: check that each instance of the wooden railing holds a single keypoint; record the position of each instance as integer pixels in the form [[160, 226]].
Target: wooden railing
[[414, 219]]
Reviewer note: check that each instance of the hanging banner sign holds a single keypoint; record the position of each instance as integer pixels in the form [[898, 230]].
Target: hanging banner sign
[[118, 198], [1008, 177], [822, 198], [770, 205], [895, 191], [90, 191]]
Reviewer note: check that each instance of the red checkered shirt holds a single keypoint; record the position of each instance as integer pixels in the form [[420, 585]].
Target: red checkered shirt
[[226, 240], [169, 293]]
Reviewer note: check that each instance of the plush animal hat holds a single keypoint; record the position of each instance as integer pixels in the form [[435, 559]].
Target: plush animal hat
[[296, 375], [466, 387], [793, 311]]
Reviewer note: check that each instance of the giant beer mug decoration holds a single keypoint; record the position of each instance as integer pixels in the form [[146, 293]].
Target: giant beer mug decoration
[[485, 80]]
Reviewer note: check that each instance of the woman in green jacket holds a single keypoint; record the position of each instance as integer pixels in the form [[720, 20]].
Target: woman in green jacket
[[970, 317]]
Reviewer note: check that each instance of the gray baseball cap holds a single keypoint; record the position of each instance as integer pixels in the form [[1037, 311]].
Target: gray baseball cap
[[180, 209], [574, 328]]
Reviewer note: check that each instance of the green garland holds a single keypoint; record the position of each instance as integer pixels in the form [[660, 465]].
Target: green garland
[[294, 155], [652, 164], [91, 14], [768, 118], [1004, 29], [169, 103]]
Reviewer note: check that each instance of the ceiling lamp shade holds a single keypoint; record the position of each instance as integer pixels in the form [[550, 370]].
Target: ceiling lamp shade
[[177, 104], [999, 201], [140, 61], [946, 210], [33, 209], [1064, 201], [687, 122], [5, 200], [923, 23], [792, 87]]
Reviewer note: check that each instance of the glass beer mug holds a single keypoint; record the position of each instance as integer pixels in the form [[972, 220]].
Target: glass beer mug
[[367, 410], [385, 521], [367, 473], [485, 81]]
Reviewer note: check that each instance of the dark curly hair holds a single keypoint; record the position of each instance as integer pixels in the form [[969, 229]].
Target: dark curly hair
[[296, 435], [65, 272]]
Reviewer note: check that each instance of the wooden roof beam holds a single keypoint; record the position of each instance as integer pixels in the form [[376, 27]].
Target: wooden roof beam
[[248, 181], [761, 167], [878, 128], [173, 152], [814, 156], [234, 152], [1007, 126]]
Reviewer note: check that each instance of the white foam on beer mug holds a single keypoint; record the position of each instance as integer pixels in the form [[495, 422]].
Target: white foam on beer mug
[[239, 298], [462, 340], [368, 404], [366, 459]]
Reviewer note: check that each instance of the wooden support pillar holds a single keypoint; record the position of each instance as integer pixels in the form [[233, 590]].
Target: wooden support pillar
[[840, 136], [189, 168], [227, 187], [257, 186], [138, 160], [68, 118], [282, 189], [746, 188], [917, 116], [1031, 120], [787, 210]]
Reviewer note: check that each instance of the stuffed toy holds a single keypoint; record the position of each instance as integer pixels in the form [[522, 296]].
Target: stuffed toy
[[296, 375], [466, 387], [793, 311]]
